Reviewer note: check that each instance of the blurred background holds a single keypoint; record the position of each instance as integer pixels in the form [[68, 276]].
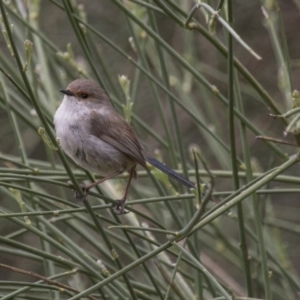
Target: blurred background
[[179, 94]]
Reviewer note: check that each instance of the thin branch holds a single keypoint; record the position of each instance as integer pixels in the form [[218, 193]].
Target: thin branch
[[45, 279]]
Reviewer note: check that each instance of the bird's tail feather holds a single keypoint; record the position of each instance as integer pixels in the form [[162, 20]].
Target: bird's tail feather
[[170, 172]]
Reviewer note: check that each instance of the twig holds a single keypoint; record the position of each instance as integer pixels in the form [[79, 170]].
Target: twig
[[270, 139], [45, 279]]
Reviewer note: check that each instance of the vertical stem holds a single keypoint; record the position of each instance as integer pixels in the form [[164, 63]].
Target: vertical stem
[[255, 203], [165, 77], [230, 68]]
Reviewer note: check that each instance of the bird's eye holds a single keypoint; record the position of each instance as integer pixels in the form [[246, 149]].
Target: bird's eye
[[84, 96]]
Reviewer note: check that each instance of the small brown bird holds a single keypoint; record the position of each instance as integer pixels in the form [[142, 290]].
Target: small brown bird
[[100, 140]]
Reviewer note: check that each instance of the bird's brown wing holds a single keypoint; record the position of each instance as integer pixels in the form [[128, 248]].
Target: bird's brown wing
[[114, 130]]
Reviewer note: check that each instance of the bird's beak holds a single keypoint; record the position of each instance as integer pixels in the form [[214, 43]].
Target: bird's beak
[[67, 92]]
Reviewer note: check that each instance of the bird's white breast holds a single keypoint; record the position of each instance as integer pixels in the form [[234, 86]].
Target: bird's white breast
[[72, 129]]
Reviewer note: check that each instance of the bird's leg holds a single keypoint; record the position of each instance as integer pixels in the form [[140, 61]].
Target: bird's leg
[[85, 188], [121, 203]]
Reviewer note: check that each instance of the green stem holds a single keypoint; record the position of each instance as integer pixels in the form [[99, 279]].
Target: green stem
[[231, 99]]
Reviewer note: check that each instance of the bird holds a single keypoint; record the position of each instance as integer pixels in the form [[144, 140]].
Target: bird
[[97, 138]]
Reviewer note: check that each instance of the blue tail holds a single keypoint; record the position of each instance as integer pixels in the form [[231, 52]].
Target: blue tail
[[170, 172]]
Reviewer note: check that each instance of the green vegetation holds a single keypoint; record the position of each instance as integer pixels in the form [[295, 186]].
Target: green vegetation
[[190, 80]]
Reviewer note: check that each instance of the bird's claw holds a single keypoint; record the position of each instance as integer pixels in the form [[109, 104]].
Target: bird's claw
[[84, 189], [119, 207]]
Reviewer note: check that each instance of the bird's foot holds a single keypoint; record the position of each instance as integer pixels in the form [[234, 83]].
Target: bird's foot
[[84, 189], [119, 207]]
